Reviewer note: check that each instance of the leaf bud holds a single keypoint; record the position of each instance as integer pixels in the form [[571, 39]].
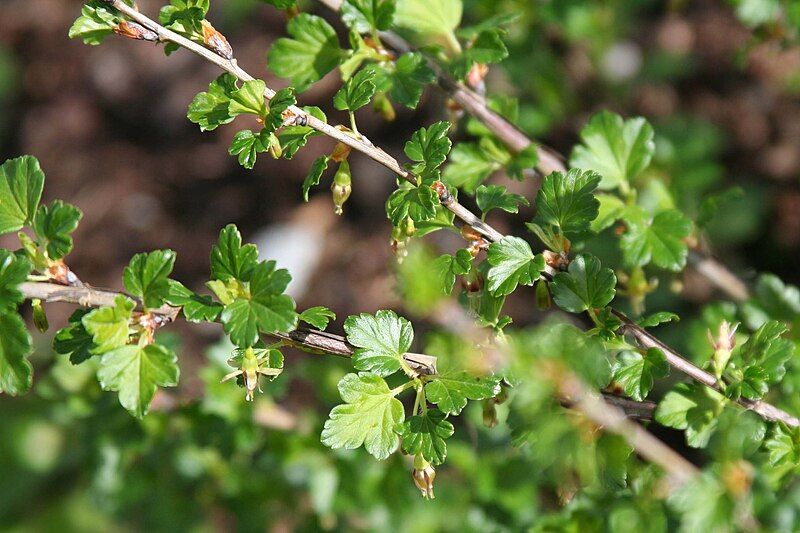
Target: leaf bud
[[216, 41], [423, 475], [134, 30], [341, 186]]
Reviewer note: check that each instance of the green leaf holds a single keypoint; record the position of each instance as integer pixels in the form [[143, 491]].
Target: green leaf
[[248, 99], [280, 102], [266, 310], [425, 435], [313, 52], [292, 138], [447, 267], [367, 16], [693, 408], [368, 417], [74, 340], [585, 285], [656, 319], [660, 239], [704, 503], [636, 372], [318, 316], [109, 325], [618, 150], [184, 17], [429, 148], [780, 301], [491, 197], [783, 446], [136, 372], [196, 307], [97, 21], [488, 47], [409, 78], [518, 163], [53, 225], [13, 271], [760, 362], [611, 209], [211, 109], [767, 349], [231, 260], [319, 166], [451, 391], [146, 277], [469, 167], [21, 183], [356, 92], [16, 372], [282, 4], [438, 18], [565, 344], [567, 202], [419, 203], [512, 263], [247, 145], [381, 341]]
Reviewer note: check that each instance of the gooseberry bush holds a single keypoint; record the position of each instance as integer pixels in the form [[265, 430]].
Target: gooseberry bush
[[576, 401]]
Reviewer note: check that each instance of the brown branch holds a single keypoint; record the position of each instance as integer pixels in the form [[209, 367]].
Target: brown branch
[[359, 142], [306, 339], [646, 340], [549, 160], [612, 419], [367, 148]]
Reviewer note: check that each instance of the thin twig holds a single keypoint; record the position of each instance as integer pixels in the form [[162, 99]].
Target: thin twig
[[612, 419], [643, 337], [310, 340], [306, 339], [549, 160]]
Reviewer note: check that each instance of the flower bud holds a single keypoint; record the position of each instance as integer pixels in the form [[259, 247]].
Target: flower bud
[[383, 106], [423, 475], [723, 345], [489, 413], [39, 316], [341, 186], [542, 295]]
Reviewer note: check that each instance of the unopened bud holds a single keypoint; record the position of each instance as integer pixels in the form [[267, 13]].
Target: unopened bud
[[216, 41], [543, 301], [423, 475], [134, 30], [341, 186], [407, 227], [39, 316], [340, 153], [489, 413], [476, 75], [723, 345], [383, 106], [442, 192]]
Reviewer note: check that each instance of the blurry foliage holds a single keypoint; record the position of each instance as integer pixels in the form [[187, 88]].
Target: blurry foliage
[[72, 459]]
